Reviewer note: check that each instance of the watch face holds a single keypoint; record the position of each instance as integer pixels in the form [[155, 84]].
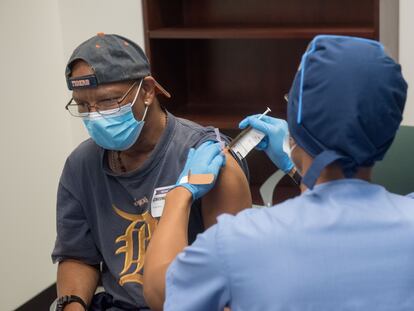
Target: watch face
[[61, 303]]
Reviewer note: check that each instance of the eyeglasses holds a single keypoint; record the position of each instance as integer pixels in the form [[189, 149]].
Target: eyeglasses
[[103, 107]]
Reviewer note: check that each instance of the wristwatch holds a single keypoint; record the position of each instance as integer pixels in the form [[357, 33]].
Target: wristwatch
[[65, 300]]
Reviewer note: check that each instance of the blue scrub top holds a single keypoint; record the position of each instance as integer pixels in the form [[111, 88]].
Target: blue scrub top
[[346, 245]]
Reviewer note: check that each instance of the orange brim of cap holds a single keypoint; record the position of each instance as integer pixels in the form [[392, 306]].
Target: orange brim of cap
[[162, 90]]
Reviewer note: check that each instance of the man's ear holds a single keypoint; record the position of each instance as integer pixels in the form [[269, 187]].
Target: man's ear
[[148, 90]]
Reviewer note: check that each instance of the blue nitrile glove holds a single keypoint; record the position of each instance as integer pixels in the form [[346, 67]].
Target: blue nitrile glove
[[276, 131], [206, 159]]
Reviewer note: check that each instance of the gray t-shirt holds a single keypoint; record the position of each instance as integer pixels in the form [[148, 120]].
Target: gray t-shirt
[[103, 217]]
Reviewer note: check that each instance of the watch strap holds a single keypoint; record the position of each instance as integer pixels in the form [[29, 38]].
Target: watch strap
[[65, 300]]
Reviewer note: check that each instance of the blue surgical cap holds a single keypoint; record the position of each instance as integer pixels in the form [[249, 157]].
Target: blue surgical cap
[[345, 104]]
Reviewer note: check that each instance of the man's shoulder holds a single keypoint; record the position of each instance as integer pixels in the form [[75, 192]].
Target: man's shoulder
[[87, 149], [191, 126], [85, 156], [191, 134]]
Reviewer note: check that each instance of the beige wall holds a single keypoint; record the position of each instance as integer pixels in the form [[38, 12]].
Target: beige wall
[[35, 138], [396, 33], [406, 52], [36, 132], [389, 11]]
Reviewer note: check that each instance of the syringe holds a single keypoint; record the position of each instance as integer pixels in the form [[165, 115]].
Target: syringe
[[247, 139]]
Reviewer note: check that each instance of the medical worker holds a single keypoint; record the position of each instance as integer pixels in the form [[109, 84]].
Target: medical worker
[[344, 243]]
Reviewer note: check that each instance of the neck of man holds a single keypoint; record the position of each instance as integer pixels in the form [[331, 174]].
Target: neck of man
[[334, 172], [155, 124]]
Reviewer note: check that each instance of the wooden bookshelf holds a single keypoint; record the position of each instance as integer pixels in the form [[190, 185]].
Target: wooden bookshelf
[[257, 32], [225, 59]]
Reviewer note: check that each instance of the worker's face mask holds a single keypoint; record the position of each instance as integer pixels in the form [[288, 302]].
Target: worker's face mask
[[118, 130]]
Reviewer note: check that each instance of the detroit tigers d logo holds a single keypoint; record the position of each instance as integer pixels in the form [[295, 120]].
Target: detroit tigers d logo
[[137, 234]]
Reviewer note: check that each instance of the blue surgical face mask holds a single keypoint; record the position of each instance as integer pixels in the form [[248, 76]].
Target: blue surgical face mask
[[118, 130]]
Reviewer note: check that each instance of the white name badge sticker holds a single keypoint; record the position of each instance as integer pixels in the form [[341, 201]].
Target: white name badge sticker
[[158, 200]]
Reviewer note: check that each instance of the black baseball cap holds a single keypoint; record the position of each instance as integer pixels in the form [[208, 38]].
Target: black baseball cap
[[113, 58]]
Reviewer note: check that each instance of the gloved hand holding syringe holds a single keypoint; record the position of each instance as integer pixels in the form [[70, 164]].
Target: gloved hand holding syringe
[[247, 139], [270, 135], [267, 132]]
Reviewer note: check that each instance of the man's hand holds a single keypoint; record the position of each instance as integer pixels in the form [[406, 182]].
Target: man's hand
[[276, 131], [73, 307], [206, 160]]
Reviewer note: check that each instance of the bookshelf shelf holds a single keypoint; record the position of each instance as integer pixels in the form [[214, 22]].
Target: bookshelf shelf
[[257, 32]]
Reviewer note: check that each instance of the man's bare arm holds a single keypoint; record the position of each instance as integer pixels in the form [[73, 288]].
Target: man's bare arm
[[77, 278], [230, 195]]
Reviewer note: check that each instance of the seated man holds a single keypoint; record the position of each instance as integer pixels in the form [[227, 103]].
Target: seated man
[[344, 243], [112, 189]]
